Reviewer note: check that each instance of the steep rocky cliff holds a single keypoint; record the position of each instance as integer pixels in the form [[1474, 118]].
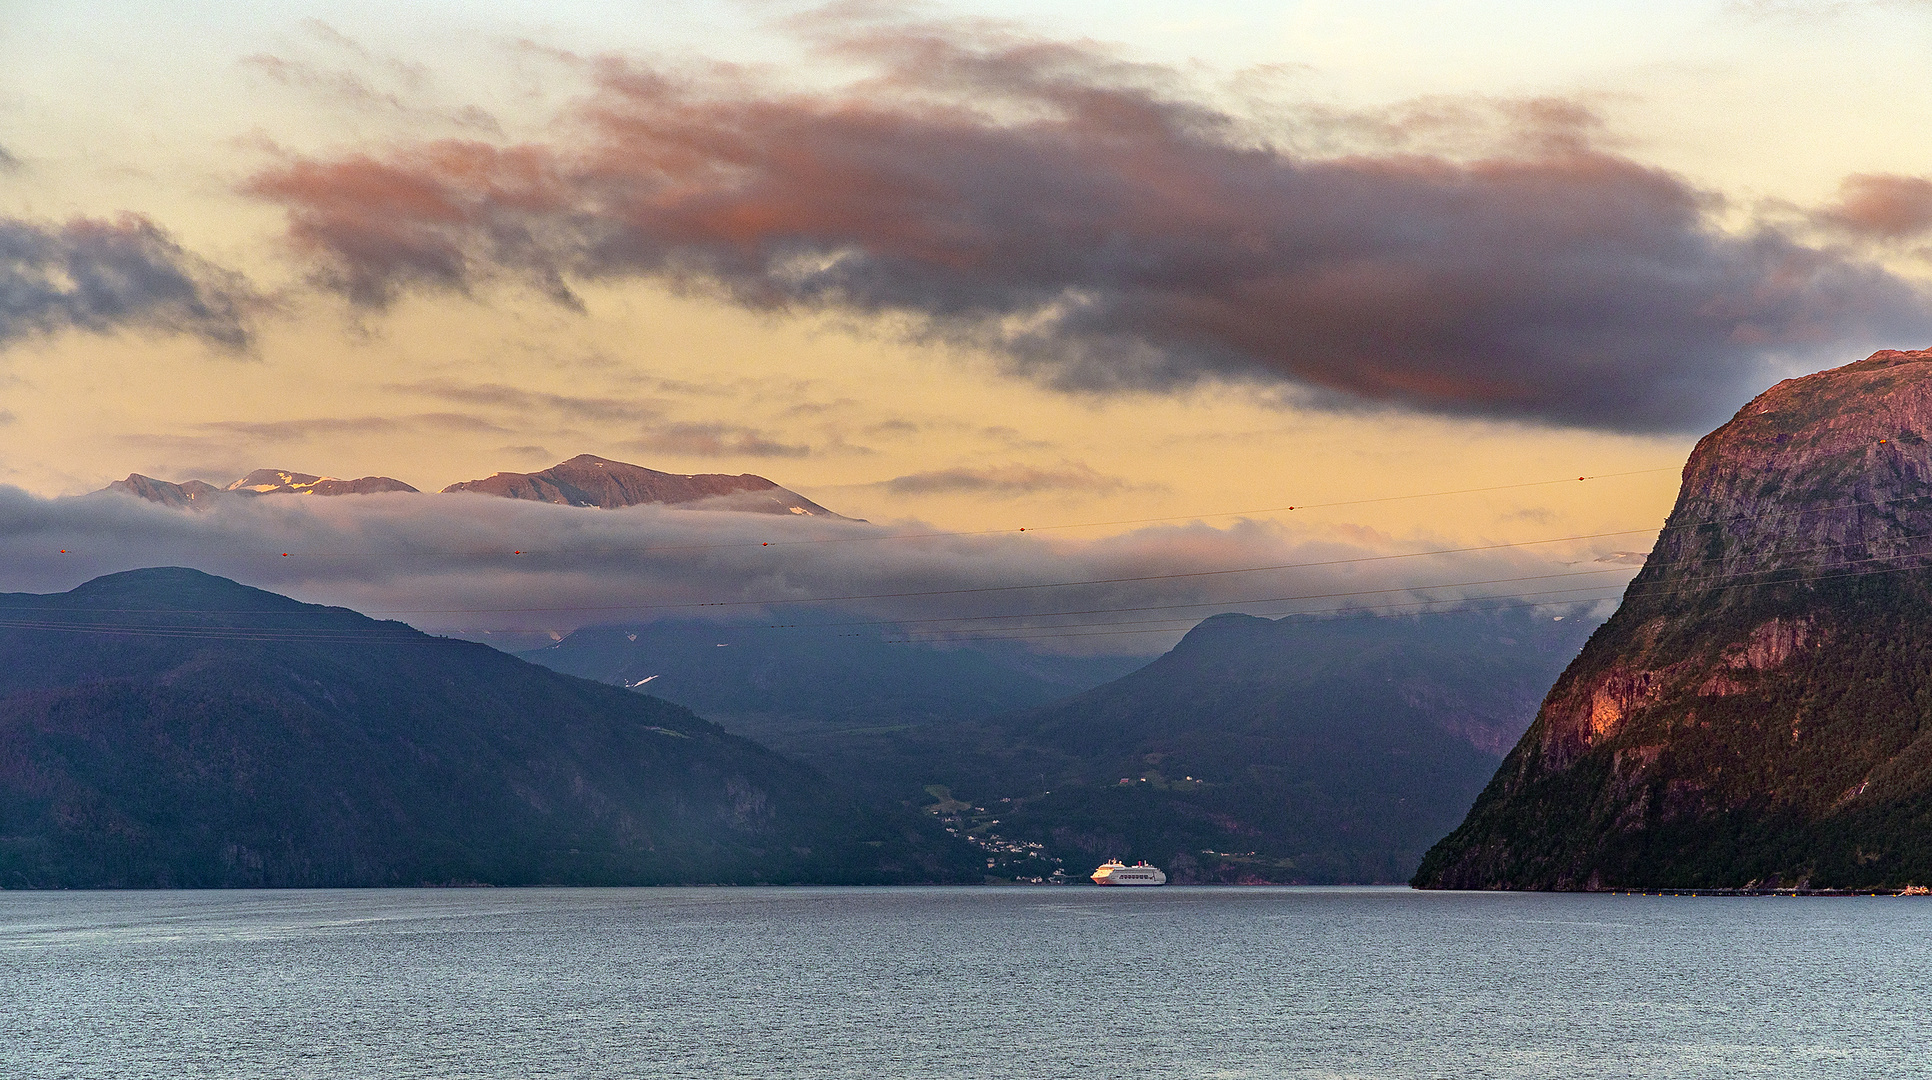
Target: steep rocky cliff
[[280, 481], [1759, 711]]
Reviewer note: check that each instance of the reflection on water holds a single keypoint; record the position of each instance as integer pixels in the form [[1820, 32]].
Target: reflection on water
[[970, 982]]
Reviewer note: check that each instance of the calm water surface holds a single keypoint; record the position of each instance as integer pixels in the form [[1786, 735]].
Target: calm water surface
[[1060, 982]]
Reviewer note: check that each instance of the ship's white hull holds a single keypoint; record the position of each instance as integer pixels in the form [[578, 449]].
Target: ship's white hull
[[1116, 874]]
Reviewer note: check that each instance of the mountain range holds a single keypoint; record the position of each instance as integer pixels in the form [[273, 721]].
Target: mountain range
[[1290, 750], [833, 688], [1299, 750], [1758, 712], [585, 480], [166, 728]]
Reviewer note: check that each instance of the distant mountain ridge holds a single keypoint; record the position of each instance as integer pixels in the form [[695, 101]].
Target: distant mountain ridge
[[585, 480], [186, 493], [1758, 712], [1291, 750], [278, 481], [1296, 750], [167, 728], [200, 494], [589, 480]]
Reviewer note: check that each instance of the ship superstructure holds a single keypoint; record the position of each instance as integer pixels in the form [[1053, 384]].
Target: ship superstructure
[[1115, 872]]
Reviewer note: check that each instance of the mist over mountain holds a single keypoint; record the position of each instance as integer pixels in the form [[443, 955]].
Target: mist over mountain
[[1756, 713], [166, 728]]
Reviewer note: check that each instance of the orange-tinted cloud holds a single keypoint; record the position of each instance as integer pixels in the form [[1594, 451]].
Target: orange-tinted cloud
[[1102, 229], [1881, 206]]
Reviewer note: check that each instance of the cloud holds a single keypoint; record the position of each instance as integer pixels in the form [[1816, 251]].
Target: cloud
[[1880, 207], [450, 564], [1626, 558], [692, 439], [713, 440], [230, 440], [575, 407], [1005, 480], [330, 426], [369, 82], [1809, 11], [1104, 228], [101, 276]]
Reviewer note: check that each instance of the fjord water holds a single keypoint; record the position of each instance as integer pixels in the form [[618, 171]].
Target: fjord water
[[959, 982]]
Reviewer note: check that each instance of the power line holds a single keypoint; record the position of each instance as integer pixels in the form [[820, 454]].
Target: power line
[[293, 632], [333, 636], [345, 635], [1170, 625], [485, 553], [982, 589], [1177, 575], [1222, 603], [782, 601], [1664, 587], [1274, 599], [1297, 506]]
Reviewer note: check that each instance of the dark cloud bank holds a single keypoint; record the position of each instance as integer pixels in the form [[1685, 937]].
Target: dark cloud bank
[[1101, 227], [96, 275]]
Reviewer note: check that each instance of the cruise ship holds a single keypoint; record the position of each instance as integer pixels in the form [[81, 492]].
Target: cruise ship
[[1115, 872]]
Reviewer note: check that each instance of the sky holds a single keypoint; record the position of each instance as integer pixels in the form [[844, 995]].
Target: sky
[[1136, 277]]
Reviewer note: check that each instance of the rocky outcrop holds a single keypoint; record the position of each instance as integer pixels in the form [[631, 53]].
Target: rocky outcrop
[[281, 481], [588, 480], [585, 480], [190, 493], [197, 494], [1760, 708]]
